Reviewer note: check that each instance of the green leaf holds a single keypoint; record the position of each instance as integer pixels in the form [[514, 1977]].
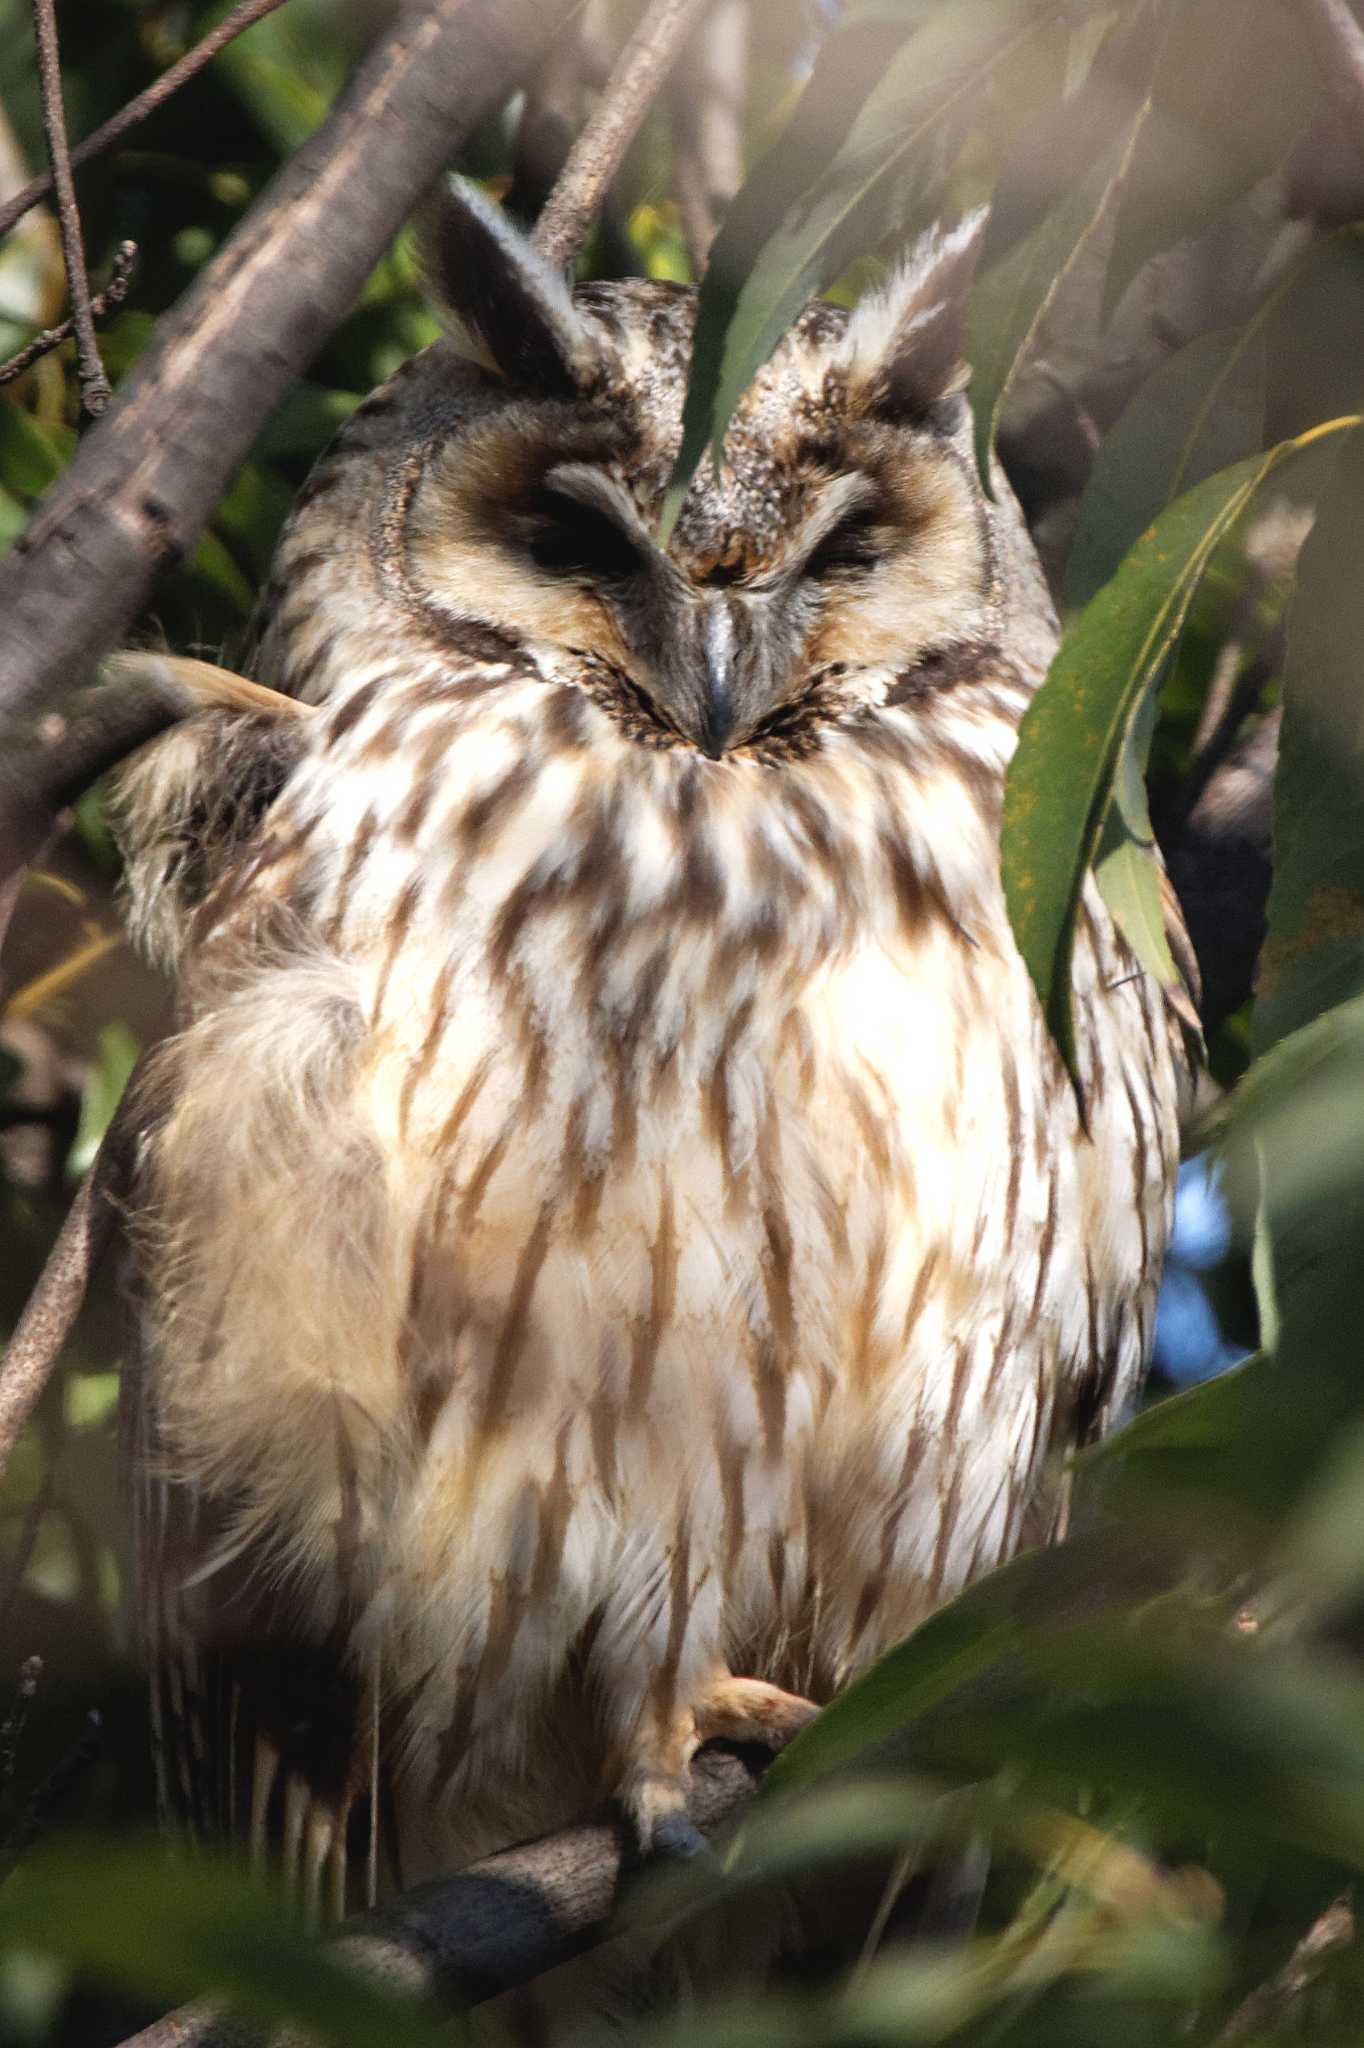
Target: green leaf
[[1070, 740], [1235, 85], [1200, 411], [1128, 876], [1012, 296], [1126, 864], [132, 1916], [1201, 1419], [778, 248], [32, 455], [976, 1631]]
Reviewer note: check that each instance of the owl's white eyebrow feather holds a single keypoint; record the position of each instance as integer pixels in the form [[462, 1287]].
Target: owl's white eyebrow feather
[[837, 502], [593, 487]]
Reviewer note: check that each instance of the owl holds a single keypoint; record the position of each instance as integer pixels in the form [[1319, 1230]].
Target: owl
[[615, 1244]]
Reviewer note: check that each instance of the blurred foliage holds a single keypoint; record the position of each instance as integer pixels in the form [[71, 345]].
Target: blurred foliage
[[1158, 1727]]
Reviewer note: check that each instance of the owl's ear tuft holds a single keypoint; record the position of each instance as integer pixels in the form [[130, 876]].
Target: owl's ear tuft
[[502, 304], [904, 348]]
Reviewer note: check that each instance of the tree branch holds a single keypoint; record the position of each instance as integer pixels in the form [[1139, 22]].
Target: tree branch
[[501, 1922], [95, 391], [156, 94], [144, 482], [600, 149], [52, 1308]]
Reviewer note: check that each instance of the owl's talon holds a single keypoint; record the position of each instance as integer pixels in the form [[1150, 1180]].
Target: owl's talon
[[677, 1839], [751, 1710]]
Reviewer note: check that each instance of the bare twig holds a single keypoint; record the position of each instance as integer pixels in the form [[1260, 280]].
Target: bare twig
[[114, 293], [118, 125], [600, 149], [12, 1727], [1257, 2017], [44, 1800], [707, 102], [1339, 42], [95, 390], [51, 1310]]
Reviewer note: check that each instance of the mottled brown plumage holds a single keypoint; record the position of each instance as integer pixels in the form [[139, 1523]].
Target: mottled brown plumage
[[618, 1246]]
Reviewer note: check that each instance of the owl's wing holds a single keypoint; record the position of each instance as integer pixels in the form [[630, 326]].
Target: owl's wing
[[259, 1735]]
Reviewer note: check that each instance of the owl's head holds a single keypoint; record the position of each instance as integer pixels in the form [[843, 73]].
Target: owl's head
[[843, 535]]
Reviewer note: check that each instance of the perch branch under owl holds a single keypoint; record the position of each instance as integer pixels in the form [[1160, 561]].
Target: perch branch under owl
[[503, 1921]]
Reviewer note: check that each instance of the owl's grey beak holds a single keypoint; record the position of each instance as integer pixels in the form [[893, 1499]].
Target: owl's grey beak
[[718, 642]]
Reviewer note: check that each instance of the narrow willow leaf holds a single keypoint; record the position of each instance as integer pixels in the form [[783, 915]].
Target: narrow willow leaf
[[1129, 882], [1235, 85], [1010, 300], [1199, 412], [125, 1913], [1127, 866], [777, 250], [976, 1631], [1294, 1126], [1069, 744], [1202, 1418]]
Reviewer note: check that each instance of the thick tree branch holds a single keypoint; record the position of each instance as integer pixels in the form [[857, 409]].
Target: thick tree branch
[[145, 480], [156, 94], [600, 149], [501, 1922]]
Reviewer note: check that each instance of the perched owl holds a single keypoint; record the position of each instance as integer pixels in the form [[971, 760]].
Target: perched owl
[[616, 1246]]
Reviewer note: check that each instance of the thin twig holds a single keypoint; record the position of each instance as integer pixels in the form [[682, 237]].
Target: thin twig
[[51, 1310], [600, 149], [44, 1800], [1339, 41], [95, 387], [12, 1727], [114, 293], [117, 126]]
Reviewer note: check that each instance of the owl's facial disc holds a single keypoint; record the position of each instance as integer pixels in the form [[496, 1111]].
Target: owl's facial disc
[[841, 539]]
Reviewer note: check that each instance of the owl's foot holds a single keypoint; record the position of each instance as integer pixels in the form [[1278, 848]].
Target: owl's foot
[[751, 1710], [654, 1791]]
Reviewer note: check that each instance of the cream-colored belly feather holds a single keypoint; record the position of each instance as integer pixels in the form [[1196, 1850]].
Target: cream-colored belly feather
[[628, 1222]]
